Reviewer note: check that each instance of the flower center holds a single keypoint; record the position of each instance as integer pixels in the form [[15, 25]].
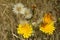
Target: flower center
[[18, 8]]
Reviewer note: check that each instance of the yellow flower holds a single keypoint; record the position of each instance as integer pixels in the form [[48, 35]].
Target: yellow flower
[[48, 28], [25, 29]]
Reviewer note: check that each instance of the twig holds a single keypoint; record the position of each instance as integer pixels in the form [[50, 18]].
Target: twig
[[15, 35]]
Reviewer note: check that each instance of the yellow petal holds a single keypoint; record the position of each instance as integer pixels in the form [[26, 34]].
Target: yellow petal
[[49, 28]]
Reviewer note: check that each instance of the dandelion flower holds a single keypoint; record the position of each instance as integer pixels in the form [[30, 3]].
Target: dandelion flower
[[19, 8], [48, 28], [25, 29], [28, 13], [48, 24]]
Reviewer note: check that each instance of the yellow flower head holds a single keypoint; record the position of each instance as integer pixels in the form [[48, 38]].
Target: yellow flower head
[[48, 24], [47, 18], [25, 29], [48, 28]]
